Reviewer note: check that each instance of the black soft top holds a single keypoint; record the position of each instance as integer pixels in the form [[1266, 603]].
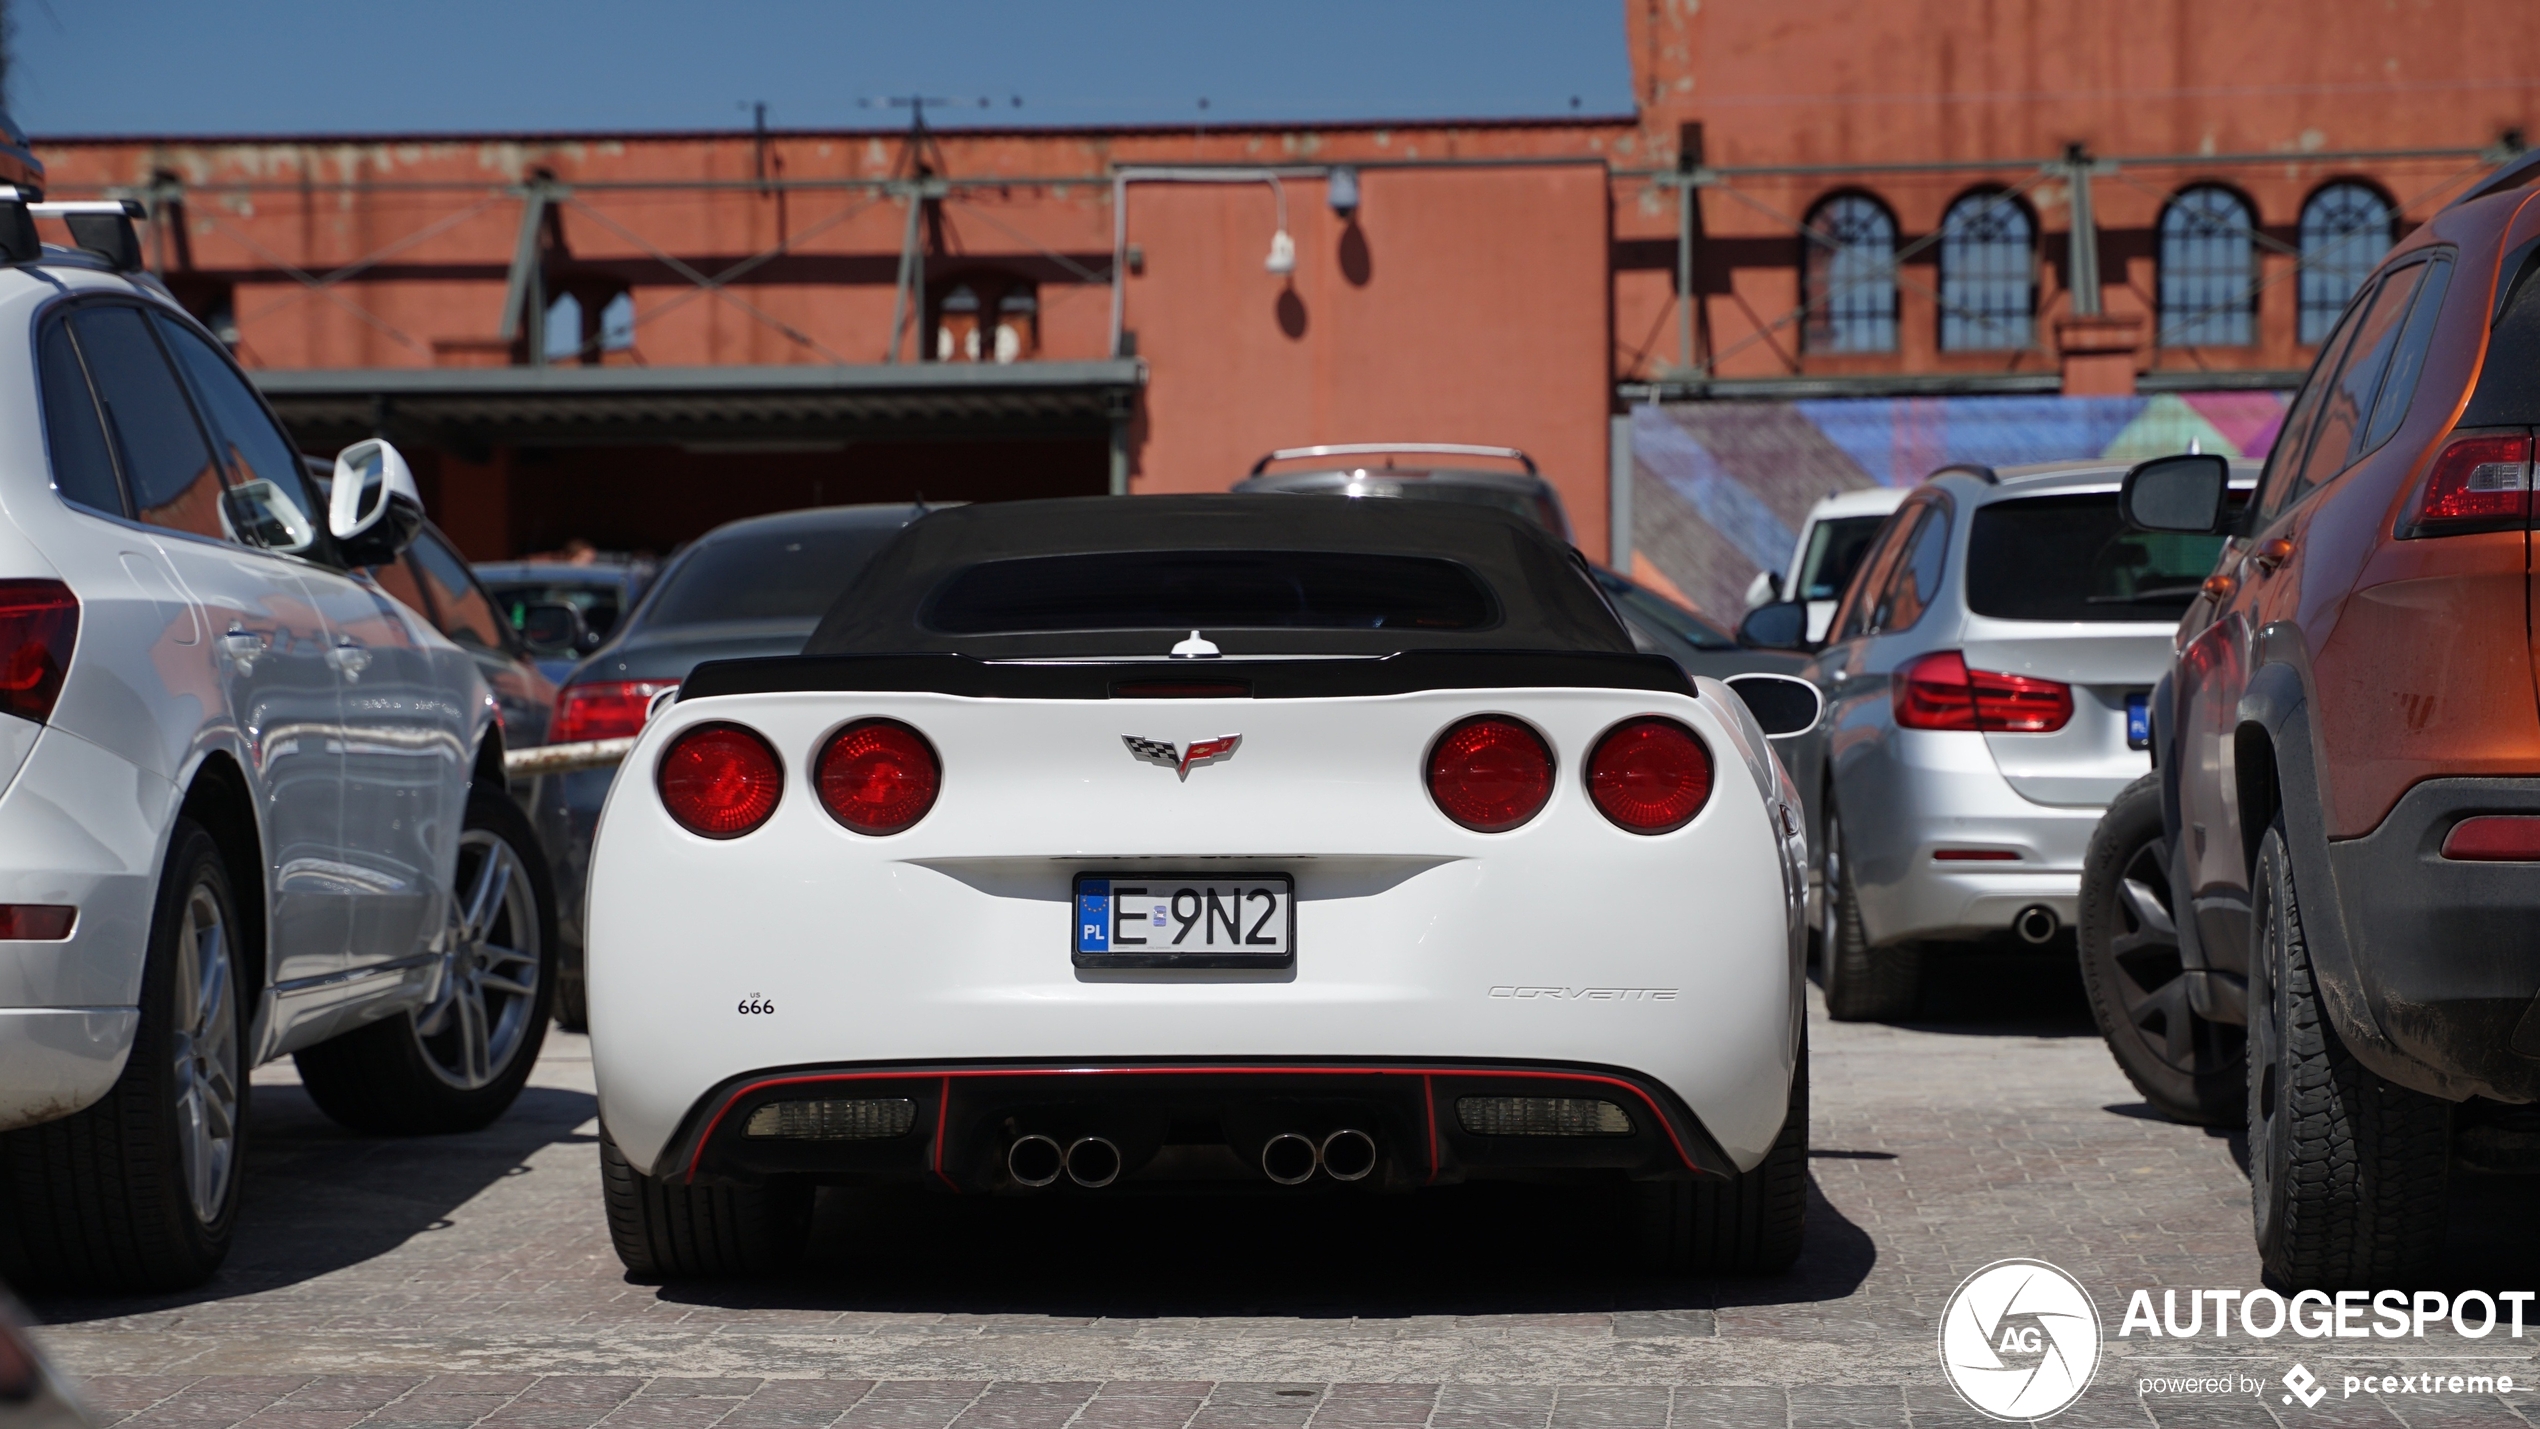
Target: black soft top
[[999, 581]]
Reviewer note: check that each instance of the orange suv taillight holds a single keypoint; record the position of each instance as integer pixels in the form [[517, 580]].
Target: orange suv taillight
[[2479, 481], [1938, 691]]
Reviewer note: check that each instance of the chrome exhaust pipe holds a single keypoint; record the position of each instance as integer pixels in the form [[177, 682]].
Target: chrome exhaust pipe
[[2036, 924], [1093, 1162], [1034, 1161], [1349, 1154], [1289, 1159]]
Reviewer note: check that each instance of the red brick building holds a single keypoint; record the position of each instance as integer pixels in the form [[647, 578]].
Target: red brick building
[[631, 337]]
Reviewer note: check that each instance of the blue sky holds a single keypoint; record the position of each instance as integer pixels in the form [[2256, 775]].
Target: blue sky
[[365, 66]]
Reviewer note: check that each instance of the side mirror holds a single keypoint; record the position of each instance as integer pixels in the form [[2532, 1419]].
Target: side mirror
[[1782, 625], [2177, 493], [374, 509], [1784, 705], [551, 627]]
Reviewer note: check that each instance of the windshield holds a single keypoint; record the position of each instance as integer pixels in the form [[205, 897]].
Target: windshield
[[1835, 549], [2071, 558], [765, 576], [1200, 590], [598, 603]]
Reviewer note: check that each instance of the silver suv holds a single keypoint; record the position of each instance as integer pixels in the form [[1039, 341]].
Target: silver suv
[[1988, 674], [250, 805]]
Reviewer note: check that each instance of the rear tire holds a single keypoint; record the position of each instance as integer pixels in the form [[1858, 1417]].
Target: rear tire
[[573, 1000], [2346, 1171], [665, 1230], [1752, 1225], [459, 1062], [139, 1192], [1861, 983], [2190, 1069]]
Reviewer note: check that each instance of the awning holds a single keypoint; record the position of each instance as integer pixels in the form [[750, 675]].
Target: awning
[[469, 410]]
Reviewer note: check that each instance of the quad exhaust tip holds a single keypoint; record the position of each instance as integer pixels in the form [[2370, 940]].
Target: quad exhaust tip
[[1035, 1161], [1349, 1154], [1289, 1159], [1093, 1162], [2036, 924]]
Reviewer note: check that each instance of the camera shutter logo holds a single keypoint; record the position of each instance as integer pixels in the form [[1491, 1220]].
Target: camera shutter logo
[[2019, 1340]]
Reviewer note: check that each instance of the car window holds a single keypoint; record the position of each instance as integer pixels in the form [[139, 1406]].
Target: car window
[[405, 584], [2073, 558], [2292, 441], [2338, 439], [83, 465], [1647, 607], [1914, 584], [762, 576], [1835, 549], [2407, 360], [173, 479], [270, 499], [466, 616], [1853, 619], [597, 603], [1239, 590]]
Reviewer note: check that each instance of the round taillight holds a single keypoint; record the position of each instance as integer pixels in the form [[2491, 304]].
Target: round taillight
[[1651, 776], [878, 776], [720, 780], [1490, 774]]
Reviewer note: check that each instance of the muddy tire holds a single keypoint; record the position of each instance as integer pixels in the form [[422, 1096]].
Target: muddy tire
[[2188, 1068], [2347, 1172]]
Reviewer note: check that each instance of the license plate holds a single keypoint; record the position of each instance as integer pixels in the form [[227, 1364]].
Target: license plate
[[2138, 721], [1197, 920]]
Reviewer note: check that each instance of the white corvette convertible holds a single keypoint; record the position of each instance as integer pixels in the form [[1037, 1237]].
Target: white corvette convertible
[[1179, 843]]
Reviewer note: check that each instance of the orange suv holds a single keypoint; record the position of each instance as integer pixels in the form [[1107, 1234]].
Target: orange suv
[[2347, 769]]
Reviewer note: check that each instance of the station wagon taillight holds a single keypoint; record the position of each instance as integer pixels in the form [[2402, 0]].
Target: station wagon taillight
[[1650, 775], [720, 781], [1938, 691], [2479, 482], [1490, 774], [878, 776], [39, 622], [604, 709]]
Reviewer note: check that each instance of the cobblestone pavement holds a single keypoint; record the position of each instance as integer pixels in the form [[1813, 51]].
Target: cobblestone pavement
[[468, 1281]]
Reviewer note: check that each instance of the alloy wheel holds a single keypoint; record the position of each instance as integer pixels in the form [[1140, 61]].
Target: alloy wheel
[[2152, 982], [204, 1042], [489, 972]]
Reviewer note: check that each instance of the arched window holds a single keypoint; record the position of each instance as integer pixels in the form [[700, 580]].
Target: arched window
[[2209, 270], [564, 329], [1851, 276], [617, 323], [988, 317], [957, 325], [2346, 228], [1988, 273]]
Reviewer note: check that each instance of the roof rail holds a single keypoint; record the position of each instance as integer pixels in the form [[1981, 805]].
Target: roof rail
[[2514, 173], [1978, 470], [1405, 448], [99, 227]]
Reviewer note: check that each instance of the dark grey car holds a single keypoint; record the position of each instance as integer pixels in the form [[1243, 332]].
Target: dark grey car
[[754, 587]]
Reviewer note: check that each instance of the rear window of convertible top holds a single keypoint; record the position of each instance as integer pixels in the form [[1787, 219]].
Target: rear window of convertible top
[[1186, 590]]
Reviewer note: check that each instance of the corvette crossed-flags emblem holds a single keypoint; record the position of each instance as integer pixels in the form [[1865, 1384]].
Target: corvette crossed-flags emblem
[[1200, 751]]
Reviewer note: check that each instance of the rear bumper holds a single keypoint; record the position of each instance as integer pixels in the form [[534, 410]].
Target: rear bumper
[[2448, 952], [1189, 1123], [56, 1061], [1935, 792]]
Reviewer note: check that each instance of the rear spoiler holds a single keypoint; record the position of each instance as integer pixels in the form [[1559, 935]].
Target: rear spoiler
[[1268, 679]]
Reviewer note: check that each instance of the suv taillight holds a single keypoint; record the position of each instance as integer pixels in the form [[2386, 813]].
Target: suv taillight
[[1650, 775], [1490, 774], [2478, 482], [878, 776], [720, 781], [39, 622], [1938, 691], [604, 709]]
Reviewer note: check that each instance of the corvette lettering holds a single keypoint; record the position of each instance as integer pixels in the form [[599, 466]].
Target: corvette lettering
[[1586, 994], [1199, 751]]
